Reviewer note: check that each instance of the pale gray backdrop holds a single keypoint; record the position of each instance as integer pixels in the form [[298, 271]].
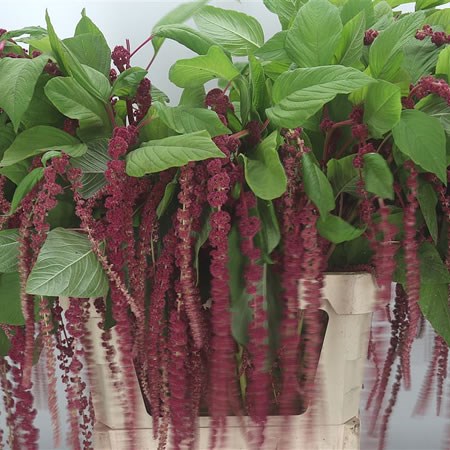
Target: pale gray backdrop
[[134, 20]]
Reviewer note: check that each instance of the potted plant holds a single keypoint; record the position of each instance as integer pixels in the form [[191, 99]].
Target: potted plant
[[194, 241]]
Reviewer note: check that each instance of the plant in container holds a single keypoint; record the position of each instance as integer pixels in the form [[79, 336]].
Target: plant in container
[[199, 243]]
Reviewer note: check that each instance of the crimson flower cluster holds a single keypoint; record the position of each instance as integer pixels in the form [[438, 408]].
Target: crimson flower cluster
[[438, 38]]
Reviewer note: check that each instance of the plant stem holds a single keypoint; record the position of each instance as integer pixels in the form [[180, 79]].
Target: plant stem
[[151, 61], [142, 45], [110, 113]]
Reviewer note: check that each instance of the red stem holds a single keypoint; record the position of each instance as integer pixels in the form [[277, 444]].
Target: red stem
[[142, 45]]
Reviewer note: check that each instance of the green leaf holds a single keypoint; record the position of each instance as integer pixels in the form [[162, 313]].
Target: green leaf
[[286, 10], [24, 187], [300, 93], [432, 268], [315, 35], [342, 175], [168, 196], [201, 69], [9, 248], [258, 85], [173, 151], [184, 119], [17, 172], [242, 85], [352, 8], [18, 78], [337, 230], [436, 107], [5, 345], [193, 97], [351, 43], [7, 137], [434, 305], [425, 4], [93, 165], [36, 32], [428, 200], [382, 107], [66, 266], [158, 95], [241, 314], [443, 63], [274, 49], [41, 139], [100, 84], [317, 187], [378, 178], [192, 39], [385, 56], [10, 302], [179, 14], [420, 58], [235, 31], [69, 64], [264, 172], [440, 17], [270, 229], [128, 81], [91, 50], [422, 138], [75, 102]]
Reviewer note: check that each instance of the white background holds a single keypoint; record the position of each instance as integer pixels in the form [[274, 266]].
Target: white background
[[134, 20]]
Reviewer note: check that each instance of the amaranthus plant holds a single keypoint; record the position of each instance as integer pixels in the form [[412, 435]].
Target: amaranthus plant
[[187, 229]]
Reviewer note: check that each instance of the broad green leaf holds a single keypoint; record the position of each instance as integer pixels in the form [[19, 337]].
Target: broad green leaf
[[17, 172], [158, 95], [352, 8], [128, 81], [425, 4], [378, 178], [314, 37], [385, 56], [168, 196], [73, 101], [258, 85], [66, 266], [184, 119], [5, 345], [422, 138], [382, 107], [301, 93], [25, 186], [69, 64], [192, 39], [242, 85], [428, 201], [193, 97], [201, 69], [274, 49], [41, 139], [41, 110], [443, 63], [85, 25], [18, 78], [264, 172], [7, 137], [441, 17], [432, 268], [286, 10], [420, 58], [35, 32], [91, 50], [173, 151], [178, 15], [235, 31], [93, 164], [99, 83], [351, 44], [10, 301], [317, 187], [342, 175], [337, 230], [270, 228], [436, 107], [434, 305], [241, 314], [9, 248]]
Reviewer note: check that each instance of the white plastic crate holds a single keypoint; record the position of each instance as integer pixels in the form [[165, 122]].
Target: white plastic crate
[[348, 300]]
